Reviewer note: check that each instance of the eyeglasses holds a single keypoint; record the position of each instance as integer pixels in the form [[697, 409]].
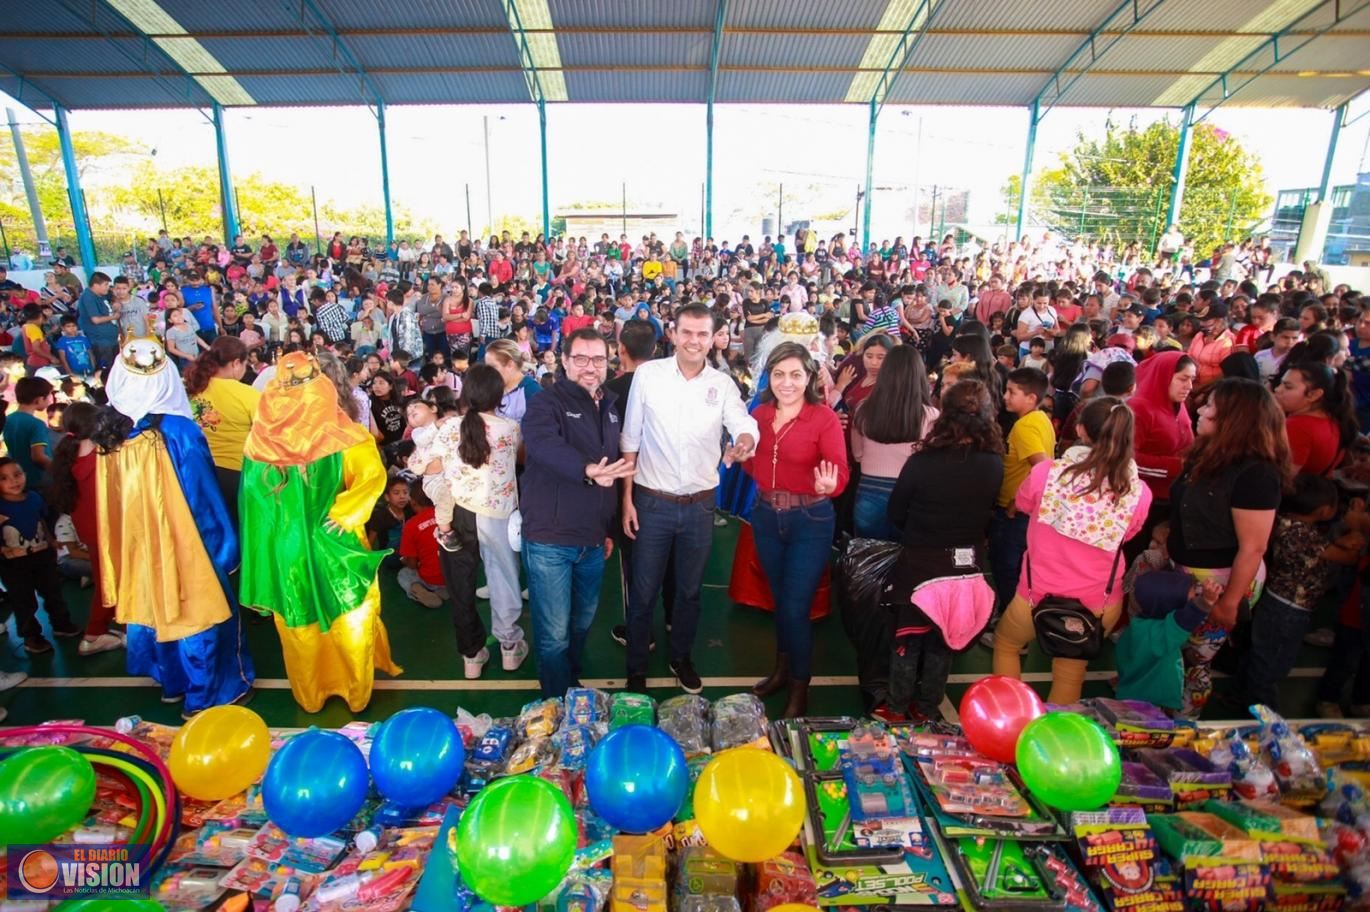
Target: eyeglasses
[[587, 360]]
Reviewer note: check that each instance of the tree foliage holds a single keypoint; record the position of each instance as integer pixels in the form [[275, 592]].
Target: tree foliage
[[1117, 187]]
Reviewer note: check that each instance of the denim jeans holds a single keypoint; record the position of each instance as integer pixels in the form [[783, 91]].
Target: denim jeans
[[663, 525], [563, 592], [1277, 630], [870, 513], [1007, 545], [794, 546]]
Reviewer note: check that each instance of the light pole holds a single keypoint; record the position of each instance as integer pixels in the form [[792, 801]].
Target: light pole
[[489, 209]]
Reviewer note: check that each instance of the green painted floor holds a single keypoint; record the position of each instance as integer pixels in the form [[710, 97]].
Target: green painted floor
[[734, 647]]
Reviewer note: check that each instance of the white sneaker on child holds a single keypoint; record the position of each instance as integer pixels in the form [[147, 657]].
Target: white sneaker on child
[[512, 657], [105, 642], [483, 592], [10, 679], [476, 664]]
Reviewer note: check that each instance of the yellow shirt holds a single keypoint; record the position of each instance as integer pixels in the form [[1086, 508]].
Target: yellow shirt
[[224, 412], [1031, 434]]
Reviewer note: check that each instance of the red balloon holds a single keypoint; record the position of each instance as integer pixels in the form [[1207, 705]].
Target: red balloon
[[994, 712]]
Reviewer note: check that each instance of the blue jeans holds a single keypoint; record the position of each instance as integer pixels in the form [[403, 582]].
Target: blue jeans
[[1277, 629], [563, 592], [1007, 545], [794, 546], [662, 525], [870, 512]]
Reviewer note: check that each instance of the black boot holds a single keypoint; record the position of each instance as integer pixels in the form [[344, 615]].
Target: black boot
[[798, 704], [775, 681]]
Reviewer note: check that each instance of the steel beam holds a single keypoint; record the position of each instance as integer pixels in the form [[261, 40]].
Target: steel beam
[[1338, 121], [385, 175], [542, 137], [74, 195], [1280, 46], [1034, 119], [908, 42], [1127, 16], [227, 201], [870, 179], [720, 16], [1181, 171]]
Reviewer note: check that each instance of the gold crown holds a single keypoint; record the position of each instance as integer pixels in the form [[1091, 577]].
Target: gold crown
[[296, 369], [143, 354]]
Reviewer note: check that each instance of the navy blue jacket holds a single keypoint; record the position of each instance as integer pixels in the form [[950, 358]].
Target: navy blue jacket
[[564, 430]]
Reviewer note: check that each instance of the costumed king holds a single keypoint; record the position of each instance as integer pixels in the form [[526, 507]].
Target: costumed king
[[167, 545]]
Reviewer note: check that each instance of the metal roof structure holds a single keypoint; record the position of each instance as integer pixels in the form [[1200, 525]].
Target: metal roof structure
[[85, 54]]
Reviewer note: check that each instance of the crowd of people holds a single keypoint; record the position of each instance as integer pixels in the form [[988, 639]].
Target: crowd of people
[[1068, 442]]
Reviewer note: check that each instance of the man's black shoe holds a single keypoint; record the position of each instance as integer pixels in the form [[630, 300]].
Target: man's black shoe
[[686, 676]]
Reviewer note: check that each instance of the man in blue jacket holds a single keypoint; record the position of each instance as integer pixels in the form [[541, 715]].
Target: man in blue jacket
[[570, 435]]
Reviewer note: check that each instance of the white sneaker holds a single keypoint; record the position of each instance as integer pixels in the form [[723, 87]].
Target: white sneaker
[[483, 592], [524, 594], [10, 679], [511, 659], [476, 663], [105, 642], [425, 596], [3, 713]]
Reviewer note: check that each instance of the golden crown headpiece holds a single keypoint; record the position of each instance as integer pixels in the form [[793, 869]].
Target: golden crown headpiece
[[143, 354], [296, 369]]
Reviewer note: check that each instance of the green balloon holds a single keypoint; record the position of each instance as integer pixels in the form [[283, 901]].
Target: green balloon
[[44, 791], [516, 840], [1069, 762]]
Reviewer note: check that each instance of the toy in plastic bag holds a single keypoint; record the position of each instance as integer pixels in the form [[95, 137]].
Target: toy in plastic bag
[[1291, 759], [631, 709], [585, 705], [532, 755], [540, 718], [738, 719], [686, 719], [574, 743], [861, 573], [1251, 777], [472, 728]]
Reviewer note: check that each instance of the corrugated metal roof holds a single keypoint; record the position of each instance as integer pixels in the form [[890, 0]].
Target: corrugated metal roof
[[1069, 15], [779, 49], [643, 16], [639, 49], [649, 86], [469, 49], [858, 15], [962, 89], [993, 51], [804, 51]]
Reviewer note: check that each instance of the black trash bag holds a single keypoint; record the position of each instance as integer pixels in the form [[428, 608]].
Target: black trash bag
[[861, 574]]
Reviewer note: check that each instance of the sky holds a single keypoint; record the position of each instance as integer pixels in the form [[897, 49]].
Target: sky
[[657, 153]]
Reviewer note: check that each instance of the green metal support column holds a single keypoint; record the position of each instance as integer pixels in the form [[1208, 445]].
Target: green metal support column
[[78, 201], [385, 176], [226, 199], [1172, 211], [720, 17], [1325, 186], [870, 179], [542, 136], [1033, 120]]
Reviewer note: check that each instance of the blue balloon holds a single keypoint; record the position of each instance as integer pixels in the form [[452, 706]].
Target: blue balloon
[[315, 783], [417, 757], [636, 778]]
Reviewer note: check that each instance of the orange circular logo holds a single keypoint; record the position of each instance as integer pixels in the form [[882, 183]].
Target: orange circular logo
[[38, 872]]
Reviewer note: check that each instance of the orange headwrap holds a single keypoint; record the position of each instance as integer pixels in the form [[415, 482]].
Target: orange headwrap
[[298, 419]]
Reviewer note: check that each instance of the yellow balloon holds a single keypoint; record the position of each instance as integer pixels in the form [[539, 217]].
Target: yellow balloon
[[749, 804], [219, 753]]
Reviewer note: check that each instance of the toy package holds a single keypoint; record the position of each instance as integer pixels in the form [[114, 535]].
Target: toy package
[[1119, 855], [539, 719], [1251, 777], [784, 880], [1135, 723], [1191, 777], [739, 719], [1140, 787], [1222, 867], [631, 709], [686, 719], [1290, 758], [705, 881], [639, 866]]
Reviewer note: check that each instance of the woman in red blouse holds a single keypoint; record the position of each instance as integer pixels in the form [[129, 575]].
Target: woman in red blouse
[[800, 463], [1320, 418]]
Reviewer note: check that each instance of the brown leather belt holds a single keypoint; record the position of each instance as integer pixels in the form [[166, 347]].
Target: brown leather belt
[[683, 499], [787, 500]]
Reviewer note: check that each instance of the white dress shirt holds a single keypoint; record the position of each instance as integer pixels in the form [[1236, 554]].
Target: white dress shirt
[[675, 425]]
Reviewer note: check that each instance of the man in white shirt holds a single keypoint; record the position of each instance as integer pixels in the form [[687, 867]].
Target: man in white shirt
[[677, 411]]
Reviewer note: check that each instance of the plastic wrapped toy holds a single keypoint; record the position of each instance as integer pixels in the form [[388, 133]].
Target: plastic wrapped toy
[[1251, 777], [585, 705], [738, 719], [540, 718], [1292, 761], [631, 709], [686, 719]]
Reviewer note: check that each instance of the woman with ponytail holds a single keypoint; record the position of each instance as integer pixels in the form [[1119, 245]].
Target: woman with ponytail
[[483, 483], [223, 407], [73, 492], [1083, 505], [1319, 416]]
